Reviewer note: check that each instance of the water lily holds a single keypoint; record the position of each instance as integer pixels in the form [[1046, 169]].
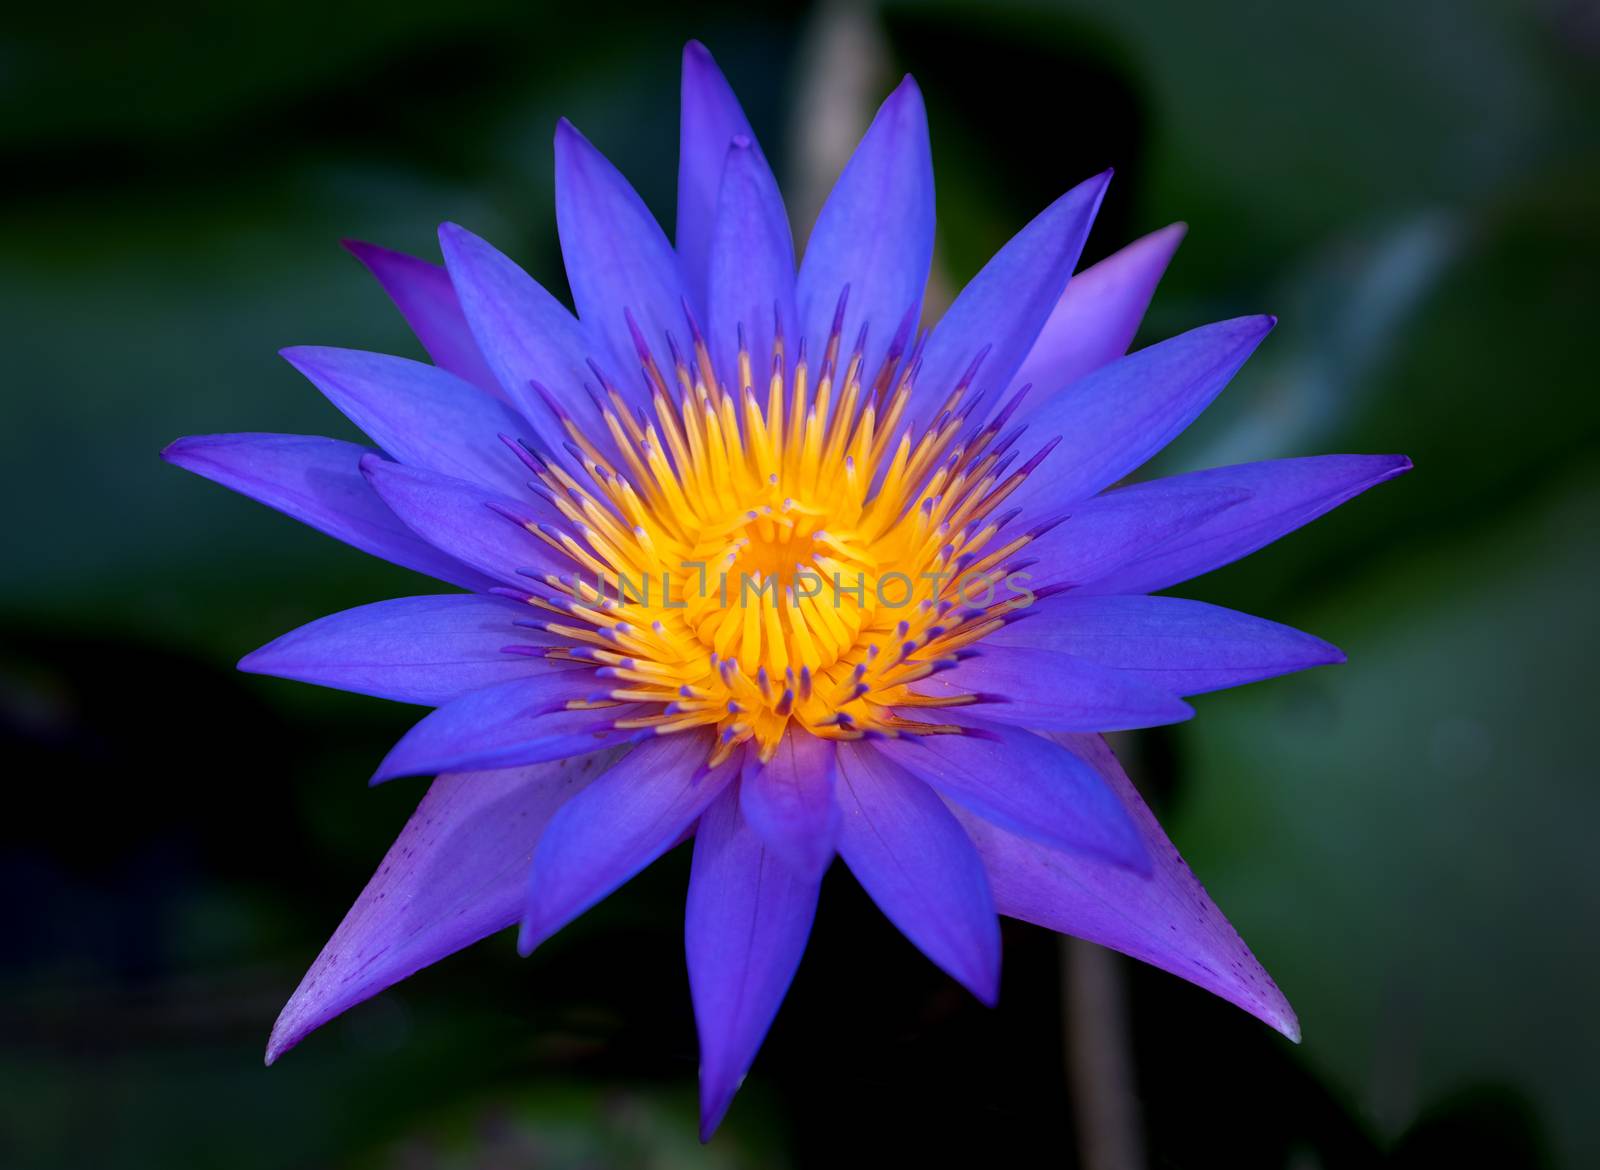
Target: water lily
[[743, 554]]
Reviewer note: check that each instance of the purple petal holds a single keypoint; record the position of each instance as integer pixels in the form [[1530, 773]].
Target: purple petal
[[1105, 532], [745, 928], [912, 856], [421, 415], [875, 234], [790, 803], [466, 521], [426, 650], [751, 274], [427, 300], [621, 823], [1165, 918], [524, 721], [1122, 414], [710, 120], [1097, 316], [1186, 647], [1007, 304], [1023, 782], [455, 875], [1284, 494], [1035, 688], [318, 481], [617, 257], [526, 335]]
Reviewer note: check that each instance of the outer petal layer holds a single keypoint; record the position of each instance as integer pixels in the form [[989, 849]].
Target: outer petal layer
[[624, 821], [426, 650], [427, 300], [618, 260], [1094, 321], [1284, 494], [1122, 414], [1030, 687], [456, 874], [1186, 647], [1000, 313], [711, 119], [745, 928], [1165, 919], [874, 233], [790, 802], [423, 416], [1024, 782], [912, 857], [318, 481]]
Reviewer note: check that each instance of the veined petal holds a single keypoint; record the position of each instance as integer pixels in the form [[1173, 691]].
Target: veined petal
[[711, 118], [1023, 782], [1164, 918], [1284, 494], [1107, 531], [1035, 688], [318, 481], [1185, 647], [524, 333], [745, 928], [751, 272], [465, 520], [620, 824], [1097, 316], [1122, 414], [874, 233], [455, 875], [1007, 304], [912, 856], [524, 721], [426, 650], [422, 415], [618, 259], [790, 802]]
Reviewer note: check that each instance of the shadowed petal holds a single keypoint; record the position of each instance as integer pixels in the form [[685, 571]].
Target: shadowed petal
[[616, 255], [711, 118], [1107, 531], [455, 875], [1024, 782], [1185, 647], [912, 856], [875, 234], [465, 520], [1165, 918], [525, 334], [1007, 304], [745, 928], [790, 803], [751, 274], [1097, 316], [421, 415], [622, 822], [524, 721], [1035, 688], [426, 650], [318, 481], [427, 300], [1122, 414], [1284, 494]]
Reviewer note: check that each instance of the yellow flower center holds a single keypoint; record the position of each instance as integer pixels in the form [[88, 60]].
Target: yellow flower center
[[746, 567]]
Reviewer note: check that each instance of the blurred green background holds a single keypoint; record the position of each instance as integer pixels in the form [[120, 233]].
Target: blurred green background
[[1406, 841]]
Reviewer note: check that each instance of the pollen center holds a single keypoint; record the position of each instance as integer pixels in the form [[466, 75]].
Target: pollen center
[[751, 562]]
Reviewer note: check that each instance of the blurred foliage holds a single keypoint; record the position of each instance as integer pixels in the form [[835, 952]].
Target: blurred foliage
[[1404, 840]]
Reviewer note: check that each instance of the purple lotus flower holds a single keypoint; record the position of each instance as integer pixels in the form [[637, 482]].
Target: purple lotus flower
[[748, 558]]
